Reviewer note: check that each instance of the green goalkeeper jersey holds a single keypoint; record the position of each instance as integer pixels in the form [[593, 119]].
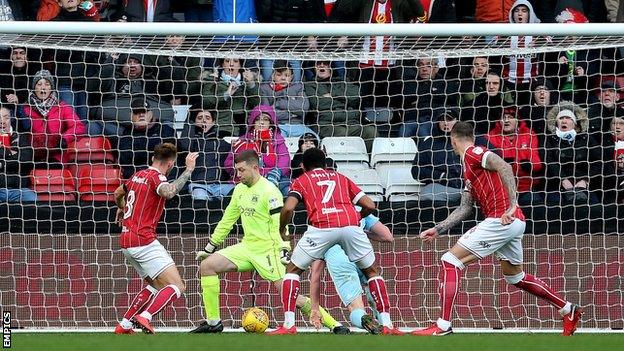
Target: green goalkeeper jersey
[[259, 209]]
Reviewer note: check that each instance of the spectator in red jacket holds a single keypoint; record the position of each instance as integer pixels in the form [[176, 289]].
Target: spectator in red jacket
[[518, 145], [54, 124]]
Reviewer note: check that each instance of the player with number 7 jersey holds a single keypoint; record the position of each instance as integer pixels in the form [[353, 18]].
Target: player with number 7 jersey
[[141, 201], [329, 198]]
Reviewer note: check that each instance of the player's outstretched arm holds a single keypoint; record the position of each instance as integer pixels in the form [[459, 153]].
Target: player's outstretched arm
[[286, 216], [495, 163], [230, 216], [380, 232], [458, 215], [171, 189], [315, 291], [120, 200]]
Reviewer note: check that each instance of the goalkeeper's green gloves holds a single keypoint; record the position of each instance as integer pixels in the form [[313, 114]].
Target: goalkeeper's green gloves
[[207, 251]]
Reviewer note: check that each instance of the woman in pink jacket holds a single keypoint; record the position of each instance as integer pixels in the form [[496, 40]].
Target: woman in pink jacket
[[54, 125], [264, 136]]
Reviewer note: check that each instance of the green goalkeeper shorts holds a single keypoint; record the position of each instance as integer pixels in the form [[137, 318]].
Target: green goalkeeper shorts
[[266, 263]]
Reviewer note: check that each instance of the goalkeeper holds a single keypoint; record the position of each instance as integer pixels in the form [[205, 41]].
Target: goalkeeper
[[258, 203]]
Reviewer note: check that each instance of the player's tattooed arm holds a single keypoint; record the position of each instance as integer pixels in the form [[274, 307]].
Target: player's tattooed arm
[[459, 214], [171, 189], [494, 162]]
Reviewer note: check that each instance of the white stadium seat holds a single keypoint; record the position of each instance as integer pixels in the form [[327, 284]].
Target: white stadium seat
[[368, 180], [399, 183], [393, 150], [345, 149]]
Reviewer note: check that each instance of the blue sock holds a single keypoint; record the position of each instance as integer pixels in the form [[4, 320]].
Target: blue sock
[[356, 317]]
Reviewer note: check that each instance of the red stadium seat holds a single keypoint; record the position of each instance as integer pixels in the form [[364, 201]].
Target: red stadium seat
[[53, 185], [91, 149], [98, 182]]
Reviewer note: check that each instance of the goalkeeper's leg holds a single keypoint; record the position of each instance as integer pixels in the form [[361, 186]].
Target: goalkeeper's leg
[[209, 269]]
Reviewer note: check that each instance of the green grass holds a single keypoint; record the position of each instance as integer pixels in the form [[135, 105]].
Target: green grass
[[316, 342]]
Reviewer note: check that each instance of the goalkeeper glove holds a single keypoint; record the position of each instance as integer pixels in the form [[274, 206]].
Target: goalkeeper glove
[[207, 251], [285, 256]]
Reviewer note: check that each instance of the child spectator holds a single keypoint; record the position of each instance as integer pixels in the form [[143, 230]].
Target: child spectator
[[288, 98], [264, 136]]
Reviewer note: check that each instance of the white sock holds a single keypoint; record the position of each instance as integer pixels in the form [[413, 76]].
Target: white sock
[[213, 322], [385, 319], [146, 315], [289, 319], [126, 324], [566, 309], [444, 325]]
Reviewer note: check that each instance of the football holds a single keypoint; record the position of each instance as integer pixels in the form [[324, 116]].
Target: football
[[255, 320]]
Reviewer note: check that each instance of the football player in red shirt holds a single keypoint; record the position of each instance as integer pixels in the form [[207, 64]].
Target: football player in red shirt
[[329, 198], [489, 182], [140, 201]]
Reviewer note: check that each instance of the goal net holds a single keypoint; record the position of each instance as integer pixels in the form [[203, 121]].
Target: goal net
[[380, 100]]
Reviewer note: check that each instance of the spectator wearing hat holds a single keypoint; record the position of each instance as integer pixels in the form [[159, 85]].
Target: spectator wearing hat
[[139, 140], [288, 98], [543, 97], [53, 124], [209, 180], [306, 141], [15, 161], [265, 137], [437, 165], [602, 112], [518, 145], [336, 105], [573, 158], [488, 105], [233, 91]]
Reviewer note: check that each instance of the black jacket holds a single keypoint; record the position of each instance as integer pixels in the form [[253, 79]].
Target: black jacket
[[423, 99], [290, 11], [136, 146], [212, 153], [16, 80], [578, 160], [600, 120], [15, 168]]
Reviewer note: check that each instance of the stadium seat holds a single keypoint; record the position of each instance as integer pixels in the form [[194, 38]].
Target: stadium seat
[[399, 183], [293, 146], [53, 185], [346, 150], [393, 150], [91, 149], [368, 181], [98, 182]]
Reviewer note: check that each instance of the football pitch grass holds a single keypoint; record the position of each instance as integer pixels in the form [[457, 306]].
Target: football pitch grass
[[313, 341]]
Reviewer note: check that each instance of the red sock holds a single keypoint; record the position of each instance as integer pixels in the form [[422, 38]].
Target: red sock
[[164, 297], [377, 288], [450, 277], [540, 289], [139, 302], [290, 291]]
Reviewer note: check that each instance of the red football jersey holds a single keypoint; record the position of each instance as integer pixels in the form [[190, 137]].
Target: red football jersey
[[144, 207], [486, 186], [329, 198]]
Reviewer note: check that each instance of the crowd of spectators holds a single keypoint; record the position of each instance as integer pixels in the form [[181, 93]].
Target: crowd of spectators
[[557, 118]]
